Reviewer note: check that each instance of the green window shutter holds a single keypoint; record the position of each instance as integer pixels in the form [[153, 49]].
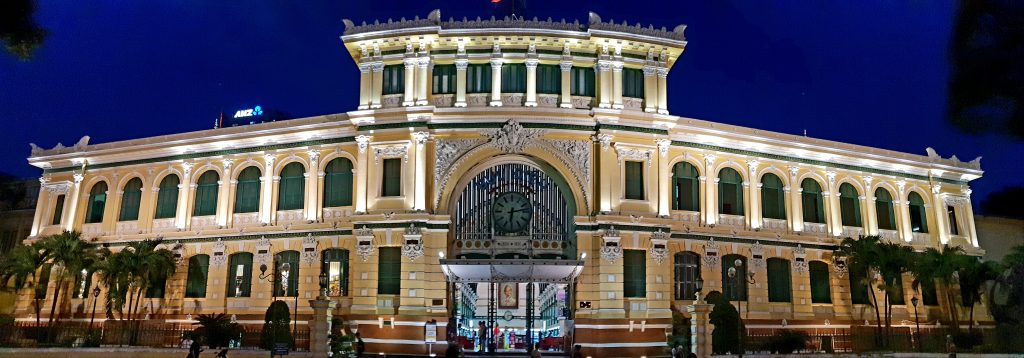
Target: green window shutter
[[43, 281], [858, 287], [292, 259], [443, 81], [157, 286], [685, 193], [478, 78], [773, 202], [730, 192], [239, 266], [813, 203], [130, 200], [97, 202], [687, 271], [198, 271], [632, 83], [394, 79], [582, 81], [79, 291], [734, 288], [247, 191], [849, 205], [389, 271], [634, 272], [896, 296], [58, 210], [954, 227], [780, 286], [292, 187], [634, 180], [391, 183], [884, 210], [167, 198], [929, 295], [549, 79], [820, 284], [206, 194], [918, 215], [335, 266], [513, 78], [338, 183]]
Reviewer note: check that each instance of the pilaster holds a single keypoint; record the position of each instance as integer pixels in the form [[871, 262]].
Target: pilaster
[[496, 81], [224, 195], [423, 78], [531, 82], [267, 189], [566, 67], [420, 165], [460, 82], [365, 86], [70, 217], [753, 187], [663, 90], [795, 194], [409, 98], [312, 201], [377, 86], [604, 83], [617, 85], [43, 204], [650, 89], [184, 191], [363, 141], [710, 179]]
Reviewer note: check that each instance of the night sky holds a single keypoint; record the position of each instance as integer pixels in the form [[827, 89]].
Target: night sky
[[865, 72]]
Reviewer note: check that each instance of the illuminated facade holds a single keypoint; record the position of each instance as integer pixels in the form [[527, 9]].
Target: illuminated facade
[[506, 151]]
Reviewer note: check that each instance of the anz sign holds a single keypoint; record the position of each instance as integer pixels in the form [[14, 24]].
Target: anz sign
[[251, 112]]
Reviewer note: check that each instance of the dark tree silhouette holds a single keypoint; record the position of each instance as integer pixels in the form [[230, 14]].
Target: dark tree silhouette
[[986, 91], [1005, 203], [18, 30]]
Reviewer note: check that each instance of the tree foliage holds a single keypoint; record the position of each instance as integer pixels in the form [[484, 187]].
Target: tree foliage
[[217, 330], [275, 325], [18, 30]]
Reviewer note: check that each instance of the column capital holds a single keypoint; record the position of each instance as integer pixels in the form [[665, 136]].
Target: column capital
[[496, 63], [363, 141], [313, 155], [531, 63], [377, 66], [461, 64], [565, 65], [421, 137], [662, 72], [78, 177]]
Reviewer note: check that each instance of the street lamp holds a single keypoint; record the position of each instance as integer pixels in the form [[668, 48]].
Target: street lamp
[[700, 287], [917, 322], [323, 285], [95, 297], [732, 273]]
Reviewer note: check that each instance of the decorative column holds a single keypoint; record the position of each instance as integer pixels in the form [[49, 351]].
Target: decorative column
[[420, 190], [566, 67], [377, 87], [753, 186], [700, 328], [617, 85], [312, 201], [423, 76], [867, 201], [184, 188], [42, 206], [362, 141], [604, 82], [833, 204], [664, 176], [969, 217], [409, 98], [531, 82], [496, 80], [903, 212], [796, 210], [605, 171], [710, 189], [267, 189], [223, 195], [365, 85], [663, 89], [320, 329], [70, 215], [460, 82], [650, 88]]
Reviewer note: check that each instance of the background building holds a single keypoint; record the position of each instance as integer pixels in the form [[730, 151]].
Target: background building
[[529, 158]]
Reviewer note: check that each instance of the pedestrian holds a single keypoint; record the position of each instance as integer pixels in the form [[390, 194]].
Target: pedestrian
[[223, 353], [577, 351], [360, 346], [194, 349], [536, 351]]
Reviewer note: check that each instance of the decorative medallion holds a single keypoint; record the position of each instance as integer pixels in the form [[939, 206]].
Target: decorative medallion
[[413, 246], [610, 250], [220, 256], [757, 259], [512, 137], [391, 151], [309, 254], [839, 263], [179, 253], [800, 259], [711, 258], [364, 243], [263, 251], [659, 246]]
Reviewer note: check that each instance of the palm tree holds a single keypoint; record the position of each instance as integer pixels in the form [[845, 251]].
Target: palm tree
[[128, 273], [974, 276], [892, 260], [21, 266], [217, 329], [69, 256], [860, 259], [940, 265]]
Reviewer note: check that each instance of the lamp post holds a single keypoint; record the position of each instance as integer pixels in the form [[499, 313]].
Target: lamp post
[[700, 287], [323, 285], [273, 290], [917, 322], [95, 297], [732, 273]]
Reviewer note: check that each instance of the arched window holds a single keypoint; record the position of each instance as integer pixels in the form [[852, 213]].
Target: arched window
[[167, 197], [730, 192], [780, 281], [206, 194], [884, 211], [896, 292], [918, 217], [287, 263], [292, 187], [813, 204], [198, 271], [97, 200], [821, 291], [849, 205], [338, 183], [247, 191], [685, 187], [239, 274], [157, 285], [773, 200], [130, 200], [687, 271], [734, 288], [335, 266], [859, 286]]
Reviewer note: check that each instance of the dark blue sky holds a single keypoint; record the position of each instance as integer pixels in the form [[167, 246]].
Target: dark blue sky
[[865, 72]]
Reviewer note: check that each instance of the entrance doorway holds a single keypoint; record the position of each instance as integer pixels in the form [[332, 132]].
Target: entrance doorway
[[512, 316]]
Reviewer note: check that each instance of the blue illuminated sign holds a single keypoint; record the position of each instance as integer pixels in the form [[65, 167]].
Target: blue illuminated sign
[[250, 112]]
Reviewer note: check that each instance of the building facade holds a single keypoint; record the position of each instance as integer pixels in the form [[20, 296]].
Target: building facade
[[523, 173]]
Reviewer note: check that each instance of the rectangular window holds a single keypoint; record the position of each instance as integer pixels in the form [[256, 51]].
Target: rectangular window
[[478, 78], [58, 210], [634, 271], [156, 288], [581, 81], [391, 181], [549, 79], [896, 294], [444, 79], [632, 83], [389, 271], [394, 79], [513, 78], [779, 281], [820, 290], [335, 265], [43, 281], [954, 227], [813, 212], [634, 180], [240, 274]]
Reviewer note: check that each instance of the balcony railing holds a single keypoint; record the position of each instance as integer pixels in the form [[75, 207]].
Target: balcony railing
[[815, 228], [852, 231], [731, 220], [777, 225]]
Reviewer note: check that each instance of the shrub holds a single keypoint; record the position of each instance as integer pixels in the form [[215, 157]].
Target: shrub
[[275, 325], [966, 340], [787, 342]]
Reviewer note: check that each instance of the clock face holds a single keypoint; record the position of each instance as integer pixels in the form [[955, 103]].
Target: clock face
[[511, 213]]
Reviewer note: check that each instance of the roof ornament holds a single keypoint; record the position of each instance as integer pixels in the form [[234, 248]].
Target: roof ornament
[[434, 16], [594, 18]]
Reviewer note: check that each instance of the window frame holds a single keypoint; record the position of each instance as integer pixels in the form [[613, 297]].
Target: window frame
[[633, 83], [391, 181], [335, 179], [819, 294], [247, 190], [737, 190], [197, 279], [582, 81], [393, 77], [206, 195], [478, 78], [232, 275], [97, 199], [443, 79], [916, 206], [513, 78], [685, 273], [630, 186], [131, 199], [291, 189], [634, 273], [678, 183], [167, 197], [854, 211], [779, 291], [813, 196], [549, 79], [389, 258], [778, 192], [884, 209], [340, 256]]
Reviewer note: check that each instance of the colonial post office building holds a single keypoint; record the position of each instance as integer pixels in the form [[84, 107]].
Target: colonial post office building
[[524, 175]]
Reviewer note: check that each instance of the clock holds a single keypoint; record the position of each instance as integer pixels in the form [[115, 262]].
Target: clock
[[511, 213]]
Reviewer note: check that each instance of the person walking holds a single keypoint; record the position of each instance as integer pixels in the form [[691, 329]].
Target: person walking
[[360, 346], [194, 349], [536, 351]]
